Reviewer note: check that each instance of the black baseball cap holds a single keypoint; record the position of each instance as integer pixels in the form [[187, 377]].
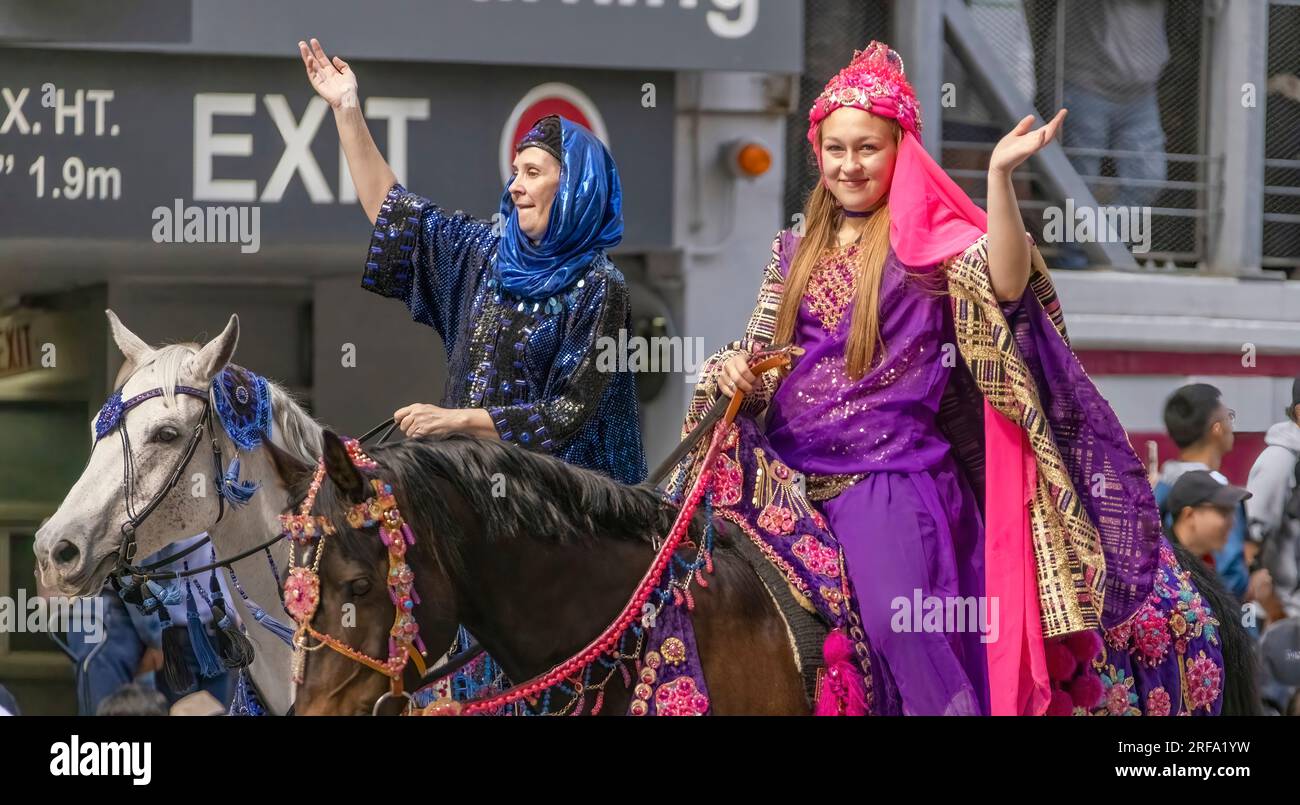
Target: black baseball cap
[[1199, 488]]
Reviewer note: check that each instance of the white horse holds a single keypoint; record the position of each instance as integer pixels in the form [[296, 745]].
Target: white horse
[[78, 547]]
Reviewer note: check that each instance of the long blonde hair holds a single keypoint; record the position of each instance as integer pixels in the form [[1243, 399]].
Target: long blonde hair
[[822, 216]]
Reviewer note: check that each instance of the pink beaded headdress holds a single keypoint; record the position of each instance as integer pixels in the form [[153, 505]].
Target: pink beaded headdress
[[874, 82], [931, 219]]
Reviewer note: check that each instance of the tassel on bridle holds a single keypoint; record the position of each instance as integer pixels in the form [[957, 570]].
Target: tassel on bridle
[[236, 491]]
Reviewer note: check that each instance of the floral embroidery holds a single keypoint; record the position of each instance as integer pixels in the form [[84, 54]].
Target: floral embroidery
[[1119, 637], [1158, 702], [778, 493], [1118, 697], [1151, 635], [788, 570], [1204, 681], [776, 519], [1189, 618], [820, 559], [1162, 631]]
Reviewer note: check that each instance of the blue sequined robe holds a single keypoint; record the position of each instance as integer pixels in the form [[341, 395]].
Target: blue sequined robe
[[531, 363]]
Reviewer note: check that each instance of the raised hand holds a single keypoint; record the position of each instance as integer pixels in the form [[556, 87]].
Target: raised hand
[[332, 79], [1023, 142]]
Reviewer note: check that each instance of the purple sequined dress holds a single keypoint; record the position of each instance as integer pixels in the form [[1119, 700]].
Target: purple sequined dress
[[911, 526]]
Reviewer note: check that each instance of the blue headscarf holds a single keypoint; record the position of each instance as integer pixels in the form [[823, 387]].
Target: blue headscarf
[[586, 219]]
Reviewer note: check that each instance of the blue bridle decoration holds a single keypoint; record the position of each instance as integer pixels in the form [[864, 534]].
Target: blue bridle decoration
[[242, 401]]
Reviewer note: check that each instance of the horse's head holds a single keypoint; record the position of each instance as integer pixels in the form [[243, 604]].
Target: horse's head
[[360, 592], [78, 546]]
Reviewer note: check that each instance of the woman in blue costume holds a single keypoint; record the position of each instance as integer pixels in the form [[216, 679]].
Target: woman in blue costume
[[520, 303]]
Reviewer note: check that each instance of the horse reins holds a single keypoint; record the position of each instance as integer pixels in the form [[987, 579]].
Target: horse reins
[[303, 586], [612, 633], [127, 548], [716, 412]]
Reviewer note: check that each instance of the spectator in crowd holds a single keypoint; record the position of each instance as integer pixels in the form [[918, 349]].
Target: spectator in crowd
[[133, 700], [1274, 509], [1116, 50], [1201, 426], [1202, 510], [1279, 666]]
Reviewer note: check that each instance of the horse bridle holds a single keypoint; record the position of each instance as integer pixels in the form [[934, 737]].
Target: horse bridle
[[113, 416], [302, 587]]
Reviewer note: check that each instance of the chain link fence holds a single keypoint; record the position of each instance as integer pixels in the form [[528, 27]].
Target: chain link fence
[[1132, 74], [1282, 140]]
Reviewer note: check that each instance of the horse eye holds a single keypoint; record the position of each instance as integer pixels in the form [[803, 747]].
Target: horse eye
[[360, 587], [166, 434]]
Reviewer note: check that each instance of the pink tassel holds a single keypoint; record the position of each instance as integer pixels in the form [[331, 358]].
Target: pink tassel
[[577, 709], [1061, 664], [690, 600], [419, 645], [406, 532], [1087, 691], [1084, 645], [385, 537], [600, 702], [699, 579], [843, 688], [1061, 704]]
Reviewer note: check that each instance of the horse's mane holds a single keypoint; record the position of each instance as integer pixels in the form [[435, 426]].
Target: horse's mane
[[518, 494]]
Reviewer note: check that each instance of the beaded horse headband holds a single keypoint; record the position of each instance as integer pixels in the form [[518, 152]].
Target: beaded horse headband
[[302, 587]]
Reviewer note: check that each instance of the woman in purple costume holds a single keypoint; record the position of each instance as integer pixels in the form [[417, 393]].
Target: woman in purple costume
[[926, 369]]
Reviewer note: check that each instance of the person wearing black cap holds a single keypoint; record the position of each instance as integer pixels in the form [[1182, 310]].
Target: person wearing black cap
[[1201, 510], [1274, 509]]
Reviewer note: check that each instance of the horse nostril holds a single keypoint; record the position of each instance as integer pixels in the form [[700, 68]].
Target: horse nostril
[[65, 553]]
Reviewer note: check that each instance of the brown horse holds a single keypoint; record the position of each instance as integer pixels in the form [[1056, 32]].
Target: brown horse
[[535, 558]]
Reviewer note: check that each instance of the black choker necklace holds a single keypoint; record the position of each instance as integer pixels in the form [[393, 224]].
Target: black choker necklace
[[857, 214]]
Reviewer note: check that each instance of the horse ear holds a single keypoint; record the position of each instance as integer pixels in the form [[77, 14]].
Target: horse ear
[[213, 357], [295, 474], [339, 468], [133, 348]]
